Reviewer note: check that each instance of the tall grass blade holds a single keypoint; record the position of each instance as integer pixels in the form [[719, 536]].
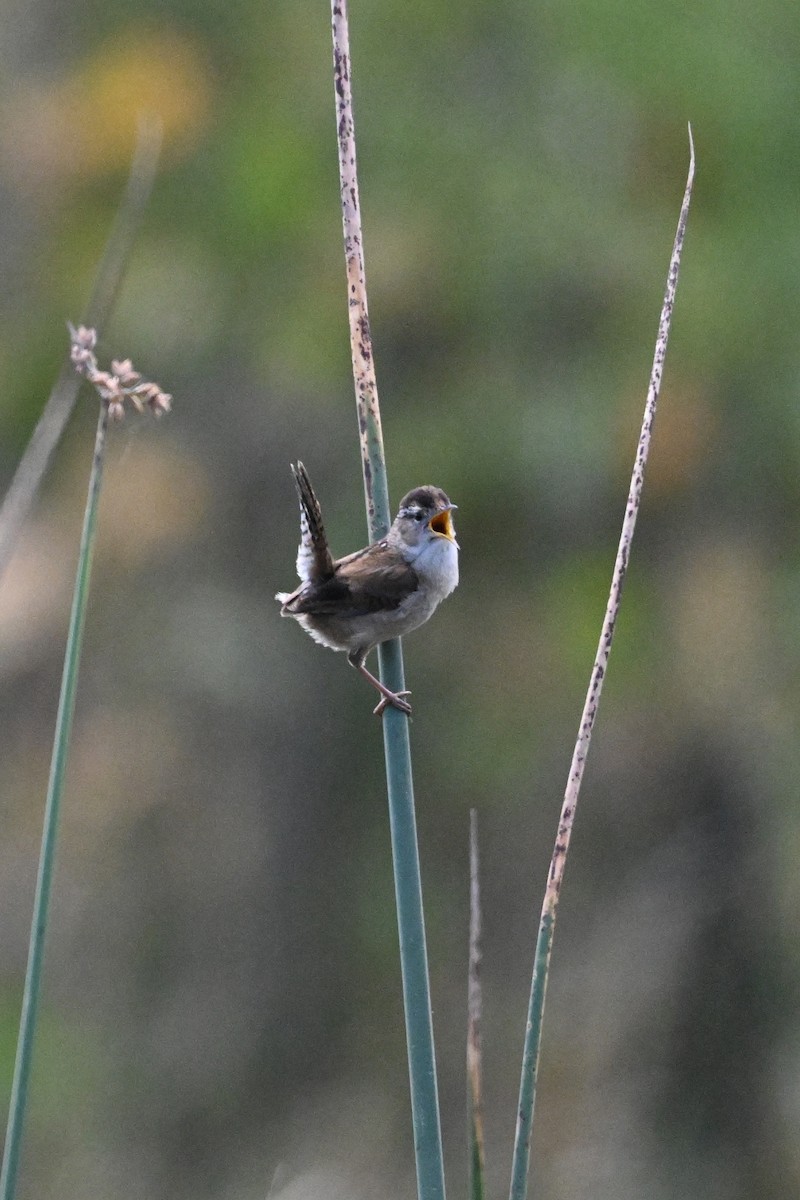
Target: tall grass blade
[[397, 751], [544, 944], [66, 705], [33, 464], [474, 1013], [118, 388]]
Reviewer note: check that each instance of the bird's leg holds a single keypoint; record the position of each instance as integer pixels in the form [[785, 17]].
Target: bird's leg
[[356, 659]]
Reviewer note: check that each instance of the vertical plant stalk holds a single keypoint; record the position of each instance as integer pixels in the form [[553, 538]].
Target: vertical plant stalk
[[544, 943], [474, 1015], [33, 464], [397, 752], [66, 706]]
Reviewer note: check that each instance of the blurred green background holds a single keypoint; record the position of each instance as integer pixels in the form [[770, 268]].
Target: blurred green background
[[223, 1004]]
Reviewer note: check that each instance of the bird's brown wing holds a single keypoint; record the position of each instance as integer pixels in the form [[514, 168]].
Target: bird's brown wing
[[377, 577], [314, 560], [371, 580]]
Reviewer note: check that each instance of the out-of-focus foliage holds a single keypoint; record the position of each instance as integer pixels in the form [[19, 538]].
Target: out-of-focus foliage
[[223, 1002]]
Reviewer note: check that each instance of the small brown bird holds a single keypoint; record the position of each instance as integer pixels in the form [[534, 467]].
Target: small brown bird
[[381, 592]]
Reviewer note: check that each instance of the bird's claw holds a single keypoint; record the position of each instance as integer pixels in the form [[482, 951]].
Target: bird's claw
[[395, 699]]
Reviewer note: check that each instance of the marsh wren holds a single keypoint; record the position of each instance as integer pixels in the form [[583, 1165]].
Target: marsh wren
[[381, 592]]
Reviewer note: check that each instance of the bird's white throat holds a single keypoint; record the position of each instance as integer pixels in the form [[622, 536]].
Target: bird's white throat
[[436, 562]]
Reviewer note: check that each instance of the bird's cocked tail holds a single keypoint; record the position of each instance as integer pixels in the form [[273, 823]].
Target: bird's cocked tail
[[314, 560]]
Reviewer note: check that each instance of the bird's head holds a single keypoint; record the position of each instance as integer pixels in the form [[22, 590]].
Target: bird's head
[[424, 515]]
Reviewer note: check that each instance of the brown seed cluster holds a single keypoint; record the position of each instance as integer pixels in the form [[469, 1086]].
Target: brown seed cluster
[[118, 385]]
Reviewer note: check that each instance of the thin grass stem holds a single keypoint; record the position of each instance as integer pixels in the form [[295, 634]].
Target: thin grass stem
[[66, 706], [397, 751], [477, 1167], [45, 437], [544, 944]]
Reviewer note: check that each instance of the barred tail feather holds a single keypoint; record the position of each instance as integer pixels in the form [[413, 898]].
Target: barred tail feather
[[314, 559]]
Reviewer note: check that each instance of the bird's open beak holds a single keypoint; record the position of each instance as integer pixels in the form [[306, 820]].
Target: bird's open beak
[[442, 524]]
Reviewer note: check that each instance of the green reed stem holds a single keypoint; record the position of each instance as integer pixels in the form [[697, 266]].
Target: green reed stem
[[544, 943], [66, 706], [397, 750]]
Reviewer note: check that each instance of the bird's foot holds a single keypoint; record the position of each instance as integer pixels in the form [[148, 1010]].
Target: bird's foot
[[395, 699], [388, 697]]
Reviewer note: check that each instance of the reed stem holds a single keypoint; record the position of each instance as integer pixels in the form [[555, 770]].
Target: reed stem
[[41, 906], [544, 943], [397, 749]]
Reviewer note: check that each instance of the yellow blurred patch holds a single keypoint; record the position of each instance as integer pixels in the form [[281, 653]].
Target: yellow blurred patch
[[34, 598], [685, 427], [155, 499], [85, 125]]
